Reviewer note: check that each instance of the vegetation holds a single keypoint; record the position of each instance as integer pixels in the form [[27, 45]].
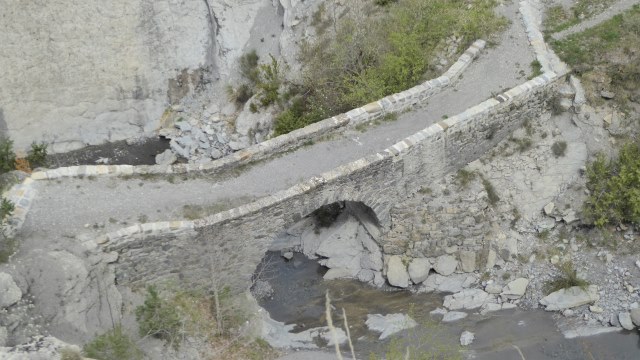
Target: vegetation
[[113, 345], [536, 69], [558, 19], [464, 177], [158, 318], [7, 156], [559, 148], [378, 51], [492, 194], [590, 52], [37, 156], [567, 278], [614, 187], [71, 354]]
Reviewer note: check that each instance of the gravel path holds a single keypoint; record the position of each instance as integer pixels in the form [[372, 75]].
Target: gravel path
[[615, 9], [62, 208]]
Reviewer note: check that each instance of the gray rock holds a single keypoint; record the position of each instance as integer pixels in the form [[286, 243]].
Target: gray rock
[[635, 316], [241, 143], [287, 255], [397, 274], [548, 209], [451, 284], [419, 270], [366, 275], [570, 217], [607, 94], [183, 126], [216, 153], [466, 299], [39, 348], [466, 338], [389, 324], [490, 307], [570, 298], [438, 311], [446, 265], [515, 289], [166, 158], [452, 316], [565, 104], [493, 288], [179, 150], [468, 261], [625, 320], [10, 293], [4, 336]]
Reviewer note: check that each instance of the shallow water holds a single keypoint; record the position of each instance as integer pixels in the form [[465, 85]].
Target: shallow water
[[298, 298], [118, 153]]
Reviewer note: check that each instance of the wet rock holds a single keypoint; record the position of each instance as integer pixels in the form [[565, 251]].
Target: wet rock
[[10, 293], [397, 274], [515, 289], [446, 265], [570, 298], [466, 338], [490, 307], [419, 270], [635, 316], [450, 284], [166, 158], [625, 320], [466, 299], [452, 316], [389, 324], [279, 335]]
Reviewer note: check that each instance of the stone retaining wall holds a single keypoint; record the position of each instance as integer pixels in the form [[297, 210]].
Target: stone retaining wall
[[391, 104]]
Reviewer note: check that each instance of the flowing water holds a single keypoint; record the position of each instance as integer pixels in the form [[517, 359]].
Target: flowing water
[[299, 298]]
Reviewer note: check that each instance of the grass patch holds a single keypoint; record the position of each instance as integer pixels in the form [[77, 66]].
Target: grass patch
[[113, 345], [558, 19], [383, 52], [536, 69], [590, 54], [566, 278]]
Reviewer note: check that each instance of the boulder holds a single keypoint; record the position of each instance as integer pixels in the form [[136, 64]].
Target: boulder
[[397, 274], [389, 324], [625, 320], [493, 288], [419, 270], [166, 158], [548, 209], [10, 293], [607, 94], [466, 299], [452, 316], [446, 265], [449, 284], [515, 289], [635, 316], [570, 298], [466, 338], [468, 261]]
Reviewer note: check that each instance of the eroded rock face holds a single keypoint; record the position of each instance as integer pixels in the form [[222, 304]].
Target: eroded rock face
[[86, 84]]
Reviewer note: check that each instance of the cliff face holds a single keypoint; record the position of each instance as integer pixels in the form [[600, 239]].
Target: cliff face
[[80, 72]]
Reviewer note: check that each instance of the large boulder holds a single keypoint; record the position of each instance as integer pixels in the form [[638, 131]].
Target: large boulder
[[570, 298], [466, 299], [468, 261], [515, 289], [397, 274], [449, 284], [10, 293], [635, 316], [625, 320], [419, 270], [446, 265], [389, 324]]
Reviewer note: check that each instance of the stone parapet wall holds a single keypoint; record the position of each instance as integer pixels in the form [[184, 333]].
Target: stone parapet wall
[[378, 181], [391, 104]]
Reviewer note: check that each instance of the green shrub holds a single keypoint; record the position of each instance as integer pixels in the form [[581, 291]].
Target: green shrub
[[7, 156], [536, 69], [567, 278], [70, 354], [492, 194], [614, 188], [464, 177], [6, 209], [559, 148], [157, 318], [249, 66], [384, 2], [113, 345], [37, 156], [269, 82]]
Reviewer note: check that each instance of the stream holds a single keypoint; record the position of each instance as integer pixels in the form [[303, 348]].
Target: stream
[[298, 297]]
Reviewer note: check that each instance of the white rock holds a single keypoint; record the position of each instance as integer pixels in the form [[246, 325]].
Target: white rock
[[452, 316], [625, 320], [515, 289], [493, 288], [438, 311], [466, 299], [389, 324], [451, 284], [419, 270], [466, 338], [446, 265], [635, 316], [490, 307], [508, 306], [570, 298], [595, 309], [468, 261], [397, 274], [548, 209], [10, 293]]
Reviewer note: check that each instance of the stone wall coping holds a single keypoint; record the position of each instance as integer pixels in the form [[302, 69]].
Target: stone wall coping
[[390, 104]]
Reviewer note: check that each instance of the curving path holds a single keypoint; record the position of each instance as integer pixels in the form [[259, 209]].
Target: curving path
[[615, 9], [63, 208]]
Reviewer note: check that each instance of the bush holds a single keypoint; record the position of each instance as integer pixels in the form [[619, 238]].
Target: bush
[[37, 155], [492, 195], [464, 177], [158, 319], [567, 278], [7, 156], [113, 345], [249, 66], [614, 187], [559, 148], [70, 354]]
